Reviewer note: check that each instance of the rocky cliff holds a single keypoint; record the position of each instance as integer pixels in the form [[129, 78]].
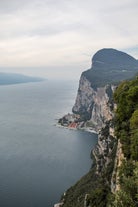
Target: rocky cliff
[[94, 103], [96, 86]]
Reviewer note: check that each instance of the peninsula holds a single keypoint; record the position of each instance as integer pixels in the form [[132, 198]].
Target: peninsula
[[14, 78], [107, 107]]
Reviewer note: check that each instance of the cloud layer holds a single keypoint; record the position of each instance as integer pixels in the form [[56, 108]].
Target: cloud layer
[[64, 33]]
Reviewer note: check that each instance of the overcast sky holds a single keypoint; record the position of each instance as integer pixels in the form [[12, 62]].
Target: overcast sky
[[58, 37]]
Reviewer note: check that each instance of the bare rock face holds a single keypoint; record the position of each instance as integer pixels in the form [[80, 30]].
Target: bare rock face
[[84, 100], [94, 101], [94, 105], [97, 106], [96, 86], [101, 111]]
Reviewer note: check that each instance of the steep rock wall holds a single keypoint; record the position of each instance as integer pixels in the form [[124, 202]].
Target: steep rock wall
[[98, 105], [94, 104], [84, 99]]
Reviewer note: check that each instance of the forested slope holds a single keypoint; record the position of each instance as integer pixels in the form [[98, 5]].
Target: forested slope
[[126, 130], [95, 189]]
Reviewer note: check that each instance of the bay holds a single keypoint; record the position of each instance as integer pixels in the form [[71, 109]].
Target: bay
[[38, 160]]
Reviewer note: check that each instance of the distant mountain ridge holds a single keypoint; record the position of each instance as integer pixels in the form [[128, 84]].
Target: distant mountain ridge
[[110, 66], [13, 78]]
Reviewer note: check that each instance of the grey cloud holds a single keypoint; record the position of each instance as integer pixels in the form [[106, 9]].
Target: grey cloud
[[7, 6], [32, 31]]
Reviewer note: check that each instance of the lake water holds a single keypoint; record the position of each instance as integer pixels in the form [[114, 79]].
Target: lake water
[[39, 161]]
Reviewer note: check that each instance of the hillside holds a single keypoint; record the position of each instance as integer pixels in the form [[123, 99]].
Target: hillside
[[114, 185], [113, 179], [126, 131], [109, 66], [13, 78]]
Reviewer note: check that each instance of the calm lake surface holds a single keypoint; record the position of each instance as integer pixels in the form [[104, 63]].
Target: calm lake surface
[[39, 161]]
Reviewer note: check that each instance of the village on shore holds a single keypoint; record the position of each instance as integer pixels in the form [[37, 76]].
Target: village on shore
[[73, 121]]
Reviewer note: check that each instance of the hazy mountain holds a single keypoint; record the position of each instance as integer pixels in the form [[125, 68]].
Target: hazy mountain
[[110, 66], [13, 78]]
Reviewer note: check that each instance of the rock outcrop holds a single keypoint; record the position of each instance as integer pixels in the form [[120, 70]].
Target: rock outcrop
[[94, 101], [96, 86], [94, 104]]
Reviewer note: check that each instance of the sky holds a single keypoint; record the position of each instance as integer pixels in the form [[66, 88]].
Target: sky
[[57, 38]]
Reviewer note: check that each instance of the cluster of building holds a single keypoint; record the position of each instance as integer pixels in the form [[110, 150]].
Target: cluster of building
[[71, 121]]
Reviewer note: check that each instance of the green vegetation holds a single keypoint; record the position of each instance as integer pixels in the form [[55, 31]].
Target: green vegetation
[[108, 75], [126, 121], [97, 186], [126, 128], [110, 66], [91, 184]]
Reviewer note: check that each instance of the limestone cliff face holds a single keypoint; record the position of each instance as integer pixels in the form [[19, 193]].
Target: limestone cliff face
[[94, 101], [97, 106], [96, 86], [84, 100], [94, 104]]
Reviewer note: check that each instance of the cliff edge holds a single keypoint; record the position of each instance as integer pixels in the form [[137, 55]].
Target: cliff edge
[[97, 85], [95, 107]]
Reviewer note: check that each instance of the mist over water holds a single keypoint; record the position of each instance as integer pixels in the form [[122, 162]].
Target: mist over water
[[38, 160]]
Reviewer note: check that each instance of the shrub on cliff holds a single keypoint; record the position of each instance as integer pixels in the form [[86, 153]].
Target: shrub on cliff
[[126, 128]]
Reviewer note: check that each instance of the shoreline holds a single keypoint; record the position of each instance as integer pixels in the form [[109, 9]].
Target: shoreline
[[86, 129], [74, 122], [78, 125]]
